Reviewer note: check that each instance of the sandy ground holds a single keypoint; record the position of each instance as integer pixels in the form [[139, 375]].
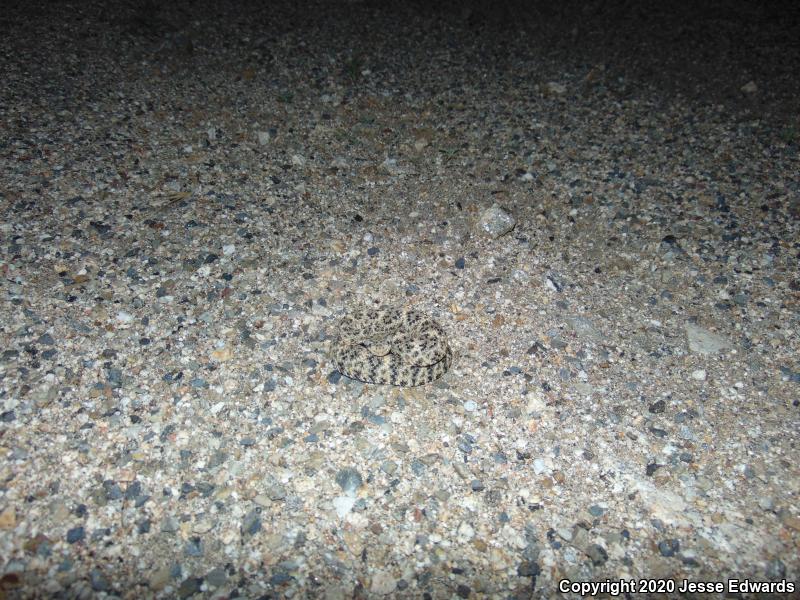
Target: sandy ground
[[597, 201]]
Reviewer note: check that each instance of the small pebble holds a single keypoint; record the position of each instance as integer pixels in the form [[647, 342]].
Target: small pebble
[[349, 480], [669, 547], [75, 534]]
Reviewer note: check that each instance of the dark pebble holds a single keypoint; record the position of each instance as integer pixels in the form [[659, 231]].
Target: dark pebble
[[247, 442], [596, 510], [46, 339], [76, 534], [523, 454], [133, 490], [251, 523], [669, 547], [170, 377], [143, 526], [190, 586], [205, 488], [597, 554], [334, 377], [658, 407], [218, 458], [465, 446], [280, 578], [460, 263], [528, 569], [463, 591], [681, 417], [789, 375], [44, 549], [349, 479], [417, 467], [273, 432], [8, 416], [651, 468], [98, 582], [477, 485], [193, 547], [372, 251], [536, 348], [216, 577], [100, 227]]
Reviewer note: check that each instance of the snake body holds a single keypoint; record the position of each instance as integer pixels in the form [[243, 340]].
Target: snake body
[[391, 347]]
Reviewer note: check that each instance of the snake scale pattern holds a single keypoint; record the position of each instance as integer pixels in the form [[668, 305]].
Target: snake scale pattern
[[391, 347]]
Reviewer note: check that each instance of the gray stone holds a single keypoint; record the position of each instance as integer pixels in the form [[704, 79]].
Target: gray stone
[[349, 480], [495, 222]]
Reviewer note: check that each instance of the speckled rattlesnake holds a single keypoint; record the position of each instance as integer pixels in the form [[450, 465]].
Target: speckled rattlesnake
[[391, 347]]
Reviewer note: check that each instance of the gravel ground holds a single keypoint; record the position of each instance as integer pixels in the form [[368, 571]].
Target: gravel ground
[[193, 195]]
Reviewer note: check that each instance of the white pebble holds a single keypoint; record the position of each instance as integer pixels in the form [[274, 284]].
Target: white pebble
[[465, 532], [383, 583], [699, 374], [343, 505], [750, 87]]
